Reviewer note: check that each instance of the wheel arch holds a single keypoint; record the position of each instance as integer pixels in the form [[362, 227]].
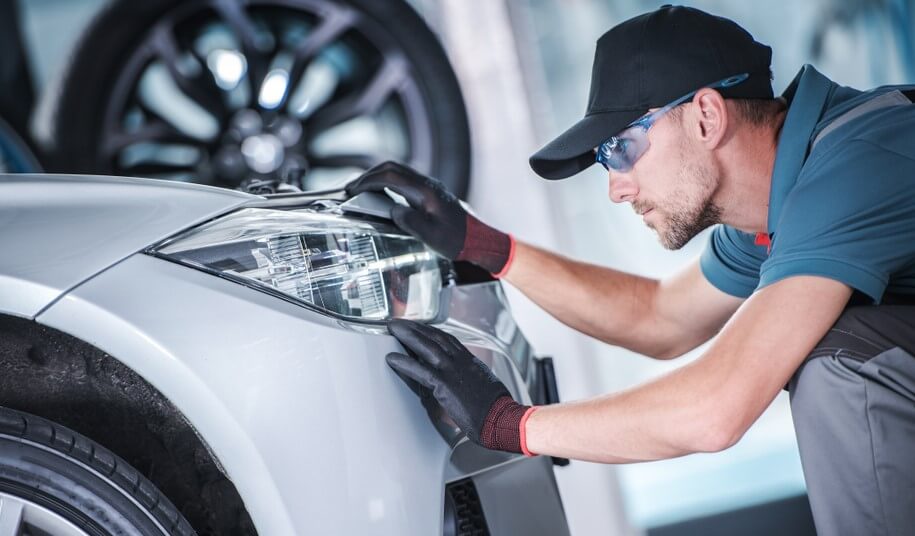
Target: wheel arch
[[57, 376]]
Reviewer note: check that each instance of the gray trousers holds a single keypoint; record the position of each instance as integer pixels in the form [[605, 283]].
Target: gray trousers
[[853, 404]]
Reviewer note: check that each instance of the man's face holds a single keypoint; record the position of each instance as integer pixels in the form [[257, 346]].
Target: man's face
[[672, 185]]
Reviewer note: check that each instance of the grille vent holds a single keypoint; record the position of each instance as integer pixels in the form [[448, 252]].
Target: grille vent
[[463, 511]]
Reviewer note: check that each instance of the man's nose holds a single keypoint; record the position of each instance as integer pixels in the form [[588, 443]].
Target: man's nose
[[622, 187]]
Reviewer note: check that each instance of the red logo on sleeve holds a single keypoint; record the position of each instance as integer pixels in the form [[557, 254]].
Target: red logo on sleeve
[[762, 239]]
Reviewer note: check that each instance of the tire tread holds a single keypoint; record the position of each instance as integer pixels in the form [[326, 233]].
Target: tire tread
[[73, 445]]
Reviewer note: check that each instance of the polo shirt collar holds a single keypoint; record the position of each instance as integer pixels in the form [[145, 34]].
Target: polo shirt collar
[[807, 96]]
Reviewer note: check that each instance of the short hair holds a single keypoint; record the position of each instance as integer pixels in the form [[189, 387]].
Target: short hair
[[755, 112], [758, 112]]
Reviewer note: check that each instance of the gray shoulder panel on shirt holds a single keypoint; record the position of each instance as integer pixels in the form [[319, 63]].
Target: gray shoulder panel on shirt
[[891, 98]]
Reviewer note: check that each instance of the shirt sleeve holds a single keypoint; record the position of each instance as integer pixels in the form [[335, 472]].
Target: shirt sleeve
[[850, 217], [731, 261]]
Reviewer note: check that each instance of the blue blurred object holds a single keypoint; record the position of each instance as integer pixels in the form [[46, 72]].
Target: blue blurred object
[[15, 155], [17, 97]]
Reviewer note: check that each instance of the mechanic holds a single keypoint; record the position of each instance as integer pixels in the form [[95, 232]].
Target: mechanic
[[803, 286]]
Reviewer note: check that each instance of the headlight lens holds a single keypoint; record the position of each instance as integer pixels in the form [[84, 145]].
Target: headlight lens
[[355, 269]]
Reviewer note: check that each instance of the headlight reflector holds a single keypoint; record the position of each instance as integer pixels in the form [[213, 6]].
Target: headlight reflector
[[354, 269]]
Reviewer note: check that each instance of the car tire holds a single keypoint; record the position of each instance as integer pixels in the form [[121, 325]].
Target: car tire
[[49, 473], [86, 90]]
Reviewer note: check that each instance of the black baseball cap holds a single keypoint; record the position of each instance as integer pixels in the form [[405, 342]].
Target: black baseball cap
[[647, 62]]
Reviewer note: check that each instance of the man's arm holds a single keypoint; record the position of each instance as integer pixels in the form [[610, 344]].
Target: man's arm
[[661, 319], [656, 318], [708, 404]]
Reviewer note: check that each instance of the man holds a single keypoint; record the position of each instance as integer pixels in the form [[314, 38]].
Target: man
[[815, 192]]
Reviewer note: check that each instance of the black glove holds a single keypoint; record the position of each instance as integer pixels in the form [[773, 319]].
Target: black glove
[[466, 389], [436, 217]]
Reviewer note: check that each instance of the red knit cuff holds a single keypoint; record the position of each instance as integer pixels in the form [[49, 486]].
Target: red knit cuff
[[484, 246], [511, 257], [502, 430], [523, 432]]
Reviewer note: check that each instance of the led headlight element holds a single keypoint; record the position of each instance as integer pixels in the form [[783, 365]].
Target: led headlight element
[[354, 269]]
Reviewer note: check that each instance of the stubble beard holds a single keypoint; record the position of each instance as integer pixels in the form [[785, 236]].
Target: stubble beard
[[690, 208]]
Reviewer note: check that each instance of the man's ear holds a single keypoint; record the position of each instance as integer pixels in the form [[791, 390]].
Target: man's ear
[[712, 117]]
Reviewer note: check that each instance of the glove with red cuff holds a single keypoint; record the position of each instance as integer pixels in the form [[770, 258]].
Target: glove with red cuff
[[466, 389], [436, 217]]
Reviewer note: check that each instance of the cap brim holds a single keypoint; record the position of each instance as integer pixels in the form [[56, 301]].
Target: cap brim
[[572, 151]]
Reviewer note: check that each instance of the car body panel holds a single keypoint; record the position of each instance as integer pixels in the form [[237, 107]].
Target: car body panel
[[59, 230], [300, 409], [317, 433]]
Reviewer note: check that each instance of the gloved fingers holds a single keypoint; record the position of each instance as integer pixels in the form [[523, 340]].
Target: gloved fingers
[[454, 350], [399, 178], [358, 185], [428, 343], [407, 219], [447, 341], [419, 389], [408, 367]]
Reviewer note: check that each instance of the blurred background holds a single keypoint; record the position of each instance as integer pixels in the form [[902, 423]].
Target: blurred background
[[100, 104]]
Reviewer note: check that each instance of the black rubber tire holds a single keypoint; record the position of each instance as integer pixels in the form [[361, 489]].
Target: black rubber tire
[[122, 24], [80, 480]]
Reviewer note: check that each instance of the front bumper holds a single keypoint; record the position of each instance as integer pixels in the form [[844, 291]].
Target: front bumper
[[316, 432]]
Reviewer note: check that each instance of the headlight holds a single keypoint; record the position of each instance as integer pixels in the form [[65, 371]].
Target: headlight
[[353, 269]]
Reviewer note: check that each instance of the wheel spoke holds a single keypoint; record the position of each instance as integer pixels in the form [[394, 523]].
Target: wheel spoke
[[355, 99], [335, 24], [10, 516], [253, 47], [364, 161], [200, 87], [156, 130], [392, 74]]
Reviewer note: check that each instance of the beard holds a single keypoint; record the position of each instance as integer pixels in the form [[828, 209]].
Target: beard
[[683, 227], [690, 208]]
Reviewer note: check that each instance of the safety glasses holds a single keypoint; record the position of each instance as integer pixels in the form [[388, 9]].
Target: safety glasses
[[620, 152]]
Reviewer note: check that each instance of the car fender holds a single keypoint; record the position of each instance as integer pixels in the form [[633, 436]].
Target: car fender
[[60, 230], [298, 408]]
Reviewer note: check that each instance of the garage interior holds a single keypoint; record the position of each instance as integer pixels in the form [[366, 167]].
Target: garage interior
[[523, 68]]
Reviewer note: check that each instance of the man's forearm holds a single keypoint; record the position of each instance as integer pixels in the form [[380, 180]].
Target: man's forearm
[[607, 304], [669, 417], [709, 403]]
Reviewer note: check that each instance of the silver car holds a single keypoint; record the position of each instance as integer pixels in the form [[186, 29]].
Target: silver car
[[177, 358]]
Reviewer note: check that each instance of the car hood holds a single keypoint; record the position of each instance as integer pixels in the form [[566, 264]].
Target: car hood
[[56, 231]]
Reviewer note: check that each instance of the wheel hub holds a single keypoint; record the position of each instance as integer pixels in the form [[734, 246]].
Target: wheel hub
[[258, 147], [207, 95], [263, 153]]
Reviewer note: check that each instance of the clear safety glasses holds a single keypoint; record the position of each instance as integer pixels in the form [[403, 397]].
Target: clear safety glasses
[[620, 152]]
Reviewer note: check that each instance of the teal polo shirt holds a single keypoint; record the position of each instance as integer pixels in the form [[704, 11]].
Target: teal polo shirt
[[842, 208]]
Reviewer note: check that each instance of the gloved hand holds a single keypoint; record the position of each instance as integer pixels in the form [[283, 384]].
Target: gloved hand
[[436, 217], [466, 389]]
